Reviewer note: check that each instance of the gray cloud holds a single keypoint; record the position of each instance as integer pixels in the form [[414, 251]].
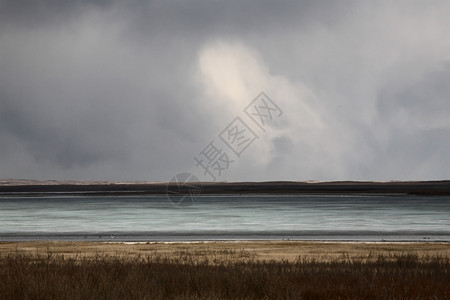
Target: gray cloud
[[415, 121], [108, 90]]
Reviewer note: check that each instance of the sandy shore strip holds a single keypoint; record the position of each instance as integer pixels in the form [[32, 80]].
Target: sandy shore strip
[[230, 250]]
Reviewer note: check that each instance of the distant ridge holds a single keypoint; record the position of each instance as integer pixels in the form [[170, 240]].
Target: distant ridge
[[23, 187]]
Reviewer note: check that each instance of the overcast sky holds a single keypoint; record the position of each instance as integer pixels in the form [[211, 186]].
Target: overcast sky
[[134, 90]]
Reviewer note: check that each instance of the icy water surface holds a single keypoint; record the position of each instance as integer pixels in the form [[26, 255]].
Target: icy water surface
[[248, 217]]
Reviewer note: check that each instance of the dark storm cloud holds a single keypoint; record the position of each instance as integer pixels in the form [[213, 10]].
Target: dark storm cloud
[[419, 99], [40, 12], [133, 90], [416, 118], [58, 138], [197, 15], [233, 17]]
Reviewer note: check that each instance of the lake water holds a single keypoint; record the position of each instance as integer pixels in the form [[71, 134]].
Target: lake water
[[248, 217]]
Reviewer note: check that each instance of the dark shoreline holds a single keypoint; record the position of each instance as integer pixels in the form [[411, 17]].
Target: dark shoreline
[[430, 188]]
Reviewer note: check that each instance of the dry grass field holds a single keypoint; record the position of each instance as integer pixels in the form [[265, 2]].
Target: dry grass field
[[224, 270], [259, 250]]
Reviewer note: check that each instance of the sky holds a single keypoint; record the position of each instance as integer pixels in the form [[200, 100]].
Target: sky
[[138, 90]]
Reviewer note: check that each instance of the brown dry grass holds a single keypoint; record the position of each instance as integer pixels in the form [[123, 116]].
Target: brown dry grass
[[261, 250], [222, 274]]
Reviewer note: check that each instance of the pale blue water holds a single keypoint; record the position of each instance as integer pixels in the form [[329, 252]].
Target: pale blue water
[[247, 217]]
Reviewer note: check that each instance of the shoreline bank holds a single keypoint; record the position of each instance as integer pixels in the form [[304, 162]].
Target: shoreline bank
[[43, 189]]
